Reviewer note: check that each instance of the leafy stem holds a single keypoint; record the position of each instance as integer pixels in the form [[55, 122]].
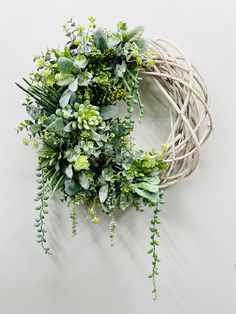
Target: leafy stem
[[74, 220], [42, 197], [153, 250], [112, 228]]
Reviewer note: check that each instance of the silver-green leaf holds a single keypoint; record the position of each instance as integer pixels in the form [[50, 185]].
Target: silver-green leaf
[[66, 80], [103, 193], [65, 98], [73, 86], [83, 180], [69, 171], [135, 34], [65, 65], [108, 112]]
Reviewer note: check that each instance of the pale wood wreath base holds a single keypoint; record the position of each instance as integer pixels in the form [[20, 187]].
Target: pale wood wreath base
[[190, 120]]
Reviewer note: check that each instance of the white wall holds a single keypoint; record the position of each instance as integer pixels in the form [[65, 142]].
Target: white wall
[[198, 234]]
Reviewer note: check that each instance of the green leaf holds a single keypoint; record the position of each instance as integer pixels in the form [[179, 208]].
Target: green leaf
[[68, 127], [135, 34], [57, 53], [65, 98], [73, 86], [66, 80], [67, 52], [72, 154], [33, 111], [57, 127], [69, 171], [65, 65], [148, 187], [142, 44], [84, 78], [35, 128], [81, 61], [151, 197], [71, 187], [100, 39], [103, 193], [95, 136], [152, 180], [49, 120], [108, 112], [120, 69], [83, 180]]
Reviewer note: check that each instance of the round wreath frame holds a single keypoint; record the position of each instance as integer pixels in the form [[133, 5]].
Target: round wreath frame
[[188, 101], [190, 126]]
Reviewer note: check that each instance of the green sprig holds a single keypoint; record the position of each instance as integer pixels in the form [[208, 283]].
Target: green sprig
[[154, 243], [112, 228], [74, 220], [42, 197]]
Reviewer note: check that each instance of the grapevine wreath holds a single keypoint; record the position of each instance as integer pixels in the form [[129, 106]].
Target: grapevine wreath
[[84, 146]]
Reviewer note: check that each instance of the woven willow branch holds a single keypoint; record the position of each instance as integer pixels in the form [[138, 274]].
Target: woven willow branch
[[190, 120]]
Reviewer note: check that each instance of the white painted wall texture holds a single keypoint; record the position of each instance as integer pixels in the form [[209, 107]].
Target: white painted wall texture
[[198, 233]]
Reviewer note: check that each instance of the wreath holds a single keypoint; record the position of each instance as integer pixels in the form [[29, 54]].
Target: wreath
[[84, 146]]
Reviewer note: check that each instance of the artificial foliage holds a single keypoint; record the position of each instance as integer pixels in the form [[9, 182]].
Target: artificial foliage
[[84, 147]]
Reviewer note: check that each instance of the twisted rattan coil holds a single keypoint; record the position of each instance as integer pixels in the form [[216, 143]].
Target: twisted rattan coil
[[190, 120]]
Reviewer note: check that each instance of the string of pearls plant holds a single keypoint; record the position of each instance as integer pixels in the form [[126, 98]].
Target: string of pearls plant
[[84, 147]]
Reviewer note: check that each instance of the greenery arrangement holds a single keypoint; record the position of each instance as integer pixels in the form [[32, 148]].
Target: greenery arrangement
[[84, 147]]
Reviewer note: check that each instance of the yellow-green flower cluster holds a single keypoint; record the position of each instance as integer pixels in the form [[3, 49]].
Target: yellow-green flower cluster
[[81, 163], [95, 220], [149, 162]]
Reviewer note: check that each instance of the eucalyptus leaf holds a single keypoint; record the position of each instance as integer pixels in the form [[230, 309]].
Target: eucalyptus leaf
[[73, 86], [49, 120], [71, 187], [66, 80], [69, 171], [33, 111], [108, 112], [120, 69], [95, 136], [81, 61], [65, 65], [83, 180], [142, 44], [72, 154], [65, 98], [84, 78], [103, 193], [135, 34], [35, 128], [57, 127], [68, 127]]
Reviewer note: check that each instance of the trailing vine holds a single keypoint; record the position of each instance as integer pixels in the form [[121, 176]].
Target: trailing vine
[[154, 243], [42, 197], [112, 228], [74, 220]]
